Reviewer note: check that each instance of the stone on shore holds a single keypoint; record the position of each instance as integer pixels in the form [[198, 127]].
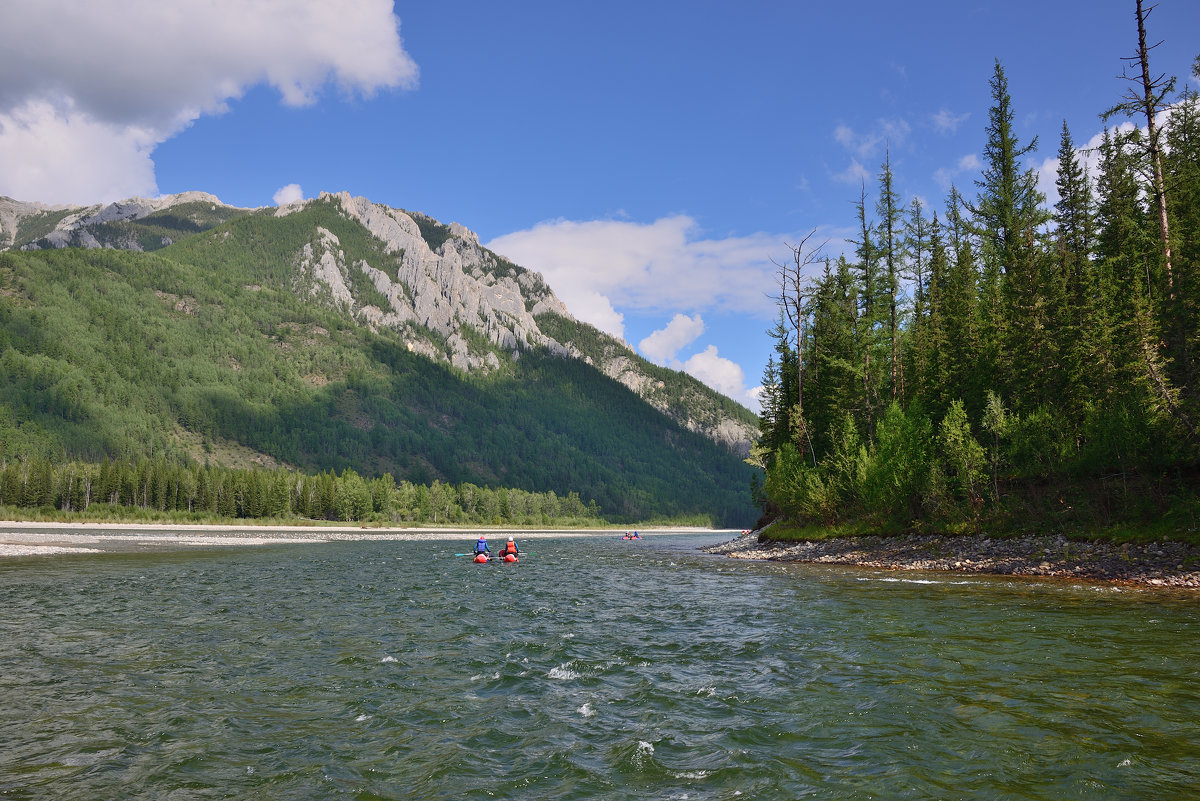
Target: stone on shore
[[1159, 564]]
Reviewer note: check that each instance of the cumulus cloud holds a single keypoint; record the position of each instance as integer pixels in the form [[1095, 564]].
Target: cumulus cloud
[[57, 154], [288, 194], [662, 345], [598, 266], [100, 84], [723, 375]]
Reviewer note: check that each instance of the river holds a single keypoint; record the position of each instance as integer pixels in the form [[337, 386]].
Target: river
[[594, 669]]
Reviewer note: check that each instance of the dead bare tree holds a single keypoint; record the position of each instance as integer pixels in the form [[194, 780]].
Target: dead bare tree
[[793, 281], [1148, 97]]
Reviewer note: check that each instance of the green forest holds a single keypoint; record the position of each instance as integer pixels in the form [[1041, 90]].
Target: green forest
[[167, 358], [1003, 364], [163, 489]]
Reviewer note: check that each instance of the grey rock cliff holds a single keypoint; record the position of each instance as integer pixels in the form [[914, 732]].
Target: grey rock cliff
[[442, 300], [75, 226], [461, 284]]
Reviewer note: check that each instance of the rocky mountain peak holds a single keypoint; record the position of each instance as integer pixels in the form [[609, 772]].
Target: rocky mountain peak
[[450, 298]]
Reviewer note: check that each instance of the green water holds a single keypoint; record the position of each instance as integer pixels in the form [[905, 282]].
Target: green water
[[594, 669]]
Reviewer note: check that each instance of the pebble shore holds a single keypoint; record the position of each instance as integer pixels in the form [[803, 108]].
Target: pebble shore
[[24, 538], [1158, 564]]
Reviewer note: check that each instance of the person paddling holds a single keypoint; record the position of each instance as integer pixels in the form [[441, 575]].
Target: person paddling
[[481, 547], [510, 549]]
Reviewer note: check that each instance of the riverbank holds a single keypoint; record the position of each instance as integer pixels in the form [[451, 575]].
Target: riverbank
[[1159, 564], [20, 538]]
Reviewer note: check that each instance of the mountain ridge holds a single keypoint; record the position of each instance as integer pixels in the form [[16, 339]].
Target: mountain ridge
[[426, 275], [340, 334]]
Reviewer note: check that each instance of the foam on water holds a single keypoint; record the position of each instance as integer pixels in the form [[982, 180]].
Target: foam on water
[[563, 672]]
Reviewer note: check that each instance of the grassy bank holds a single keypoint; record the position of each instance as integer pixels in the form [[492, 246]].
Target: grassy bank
[[1127, 509]]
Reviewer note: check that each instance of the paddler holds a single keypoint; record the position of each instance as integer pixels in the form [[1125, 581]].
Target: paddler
[[510, 547], [482, 547]]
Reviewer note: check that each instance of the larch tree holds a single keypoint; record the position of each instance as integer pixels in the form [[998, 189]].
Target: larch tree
[[887, 207]]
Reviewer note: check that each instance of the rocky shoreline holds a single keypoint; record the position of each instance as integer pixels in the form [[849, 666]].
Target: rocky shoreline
[[1156, 564]]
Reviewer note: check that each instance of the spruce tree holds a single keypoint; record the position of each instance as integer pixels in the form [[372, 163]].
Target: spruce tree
[[1076, 324], [1007, 215]]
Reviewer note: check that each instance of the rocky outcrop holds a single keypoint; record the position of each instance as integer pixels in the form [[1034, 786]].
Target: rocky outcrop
[[322, 271], [459, 285], [80, 226]]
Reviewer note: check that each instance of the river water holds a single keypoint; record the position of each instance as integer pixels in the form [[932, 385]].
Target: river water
[[594, 669]]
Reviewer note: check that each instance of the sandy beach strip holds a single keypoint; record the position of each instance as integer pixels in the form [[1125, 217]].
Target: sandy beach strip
[[19, 538]]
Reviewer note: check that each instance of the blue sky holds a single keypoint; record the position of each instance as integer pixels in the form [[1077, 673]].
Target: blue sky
[[649, 158]]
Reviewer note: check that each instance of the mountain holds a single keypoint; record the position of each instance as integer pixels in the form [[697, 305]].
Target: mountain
[[135, 224], [444, 282], [337, 332]]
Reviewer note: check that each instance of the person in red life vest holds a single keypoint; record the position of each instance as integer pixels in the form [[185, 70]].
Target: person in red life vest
[[510, 549]]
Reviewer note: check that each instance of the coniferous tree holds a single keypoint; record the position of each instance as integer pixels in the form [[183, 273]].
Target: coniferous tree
[[1007, 215], [1181, 166], [1076, 321], [869, 323], [1125, 244], [927, 345], [890, 244]]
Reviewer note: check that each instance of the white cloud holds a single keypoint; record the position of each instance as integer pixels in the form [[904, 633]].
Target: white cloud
[[662, 345], [947, 122], [598, 310], [855, 174], [969, 162], [870, 145], [598, 266], [57, 154], [90, 88], [753, 399], [723, 375], [288, 194], [946, 175]]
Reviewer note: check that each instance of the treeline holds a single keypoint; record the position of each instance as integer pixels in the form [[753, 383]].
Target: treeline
[[1001, 359], [160, 485]]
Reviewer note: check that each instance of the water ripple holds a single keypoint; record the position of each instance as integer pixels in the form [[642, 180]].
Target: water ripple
[[393, 670]]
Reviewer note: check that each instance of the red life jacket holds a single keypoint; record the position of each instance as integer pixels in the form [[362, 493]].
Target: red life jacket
[[509, 547]]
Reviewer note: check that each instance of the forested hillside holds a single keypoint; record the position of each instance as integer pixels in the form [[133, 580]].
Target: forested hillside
[[220, 339], [678, 395], [1003, 362]]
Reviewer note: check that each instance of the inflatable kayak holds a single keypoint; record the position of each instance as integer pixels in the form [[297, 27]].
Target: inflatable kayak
[[483, 559]]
